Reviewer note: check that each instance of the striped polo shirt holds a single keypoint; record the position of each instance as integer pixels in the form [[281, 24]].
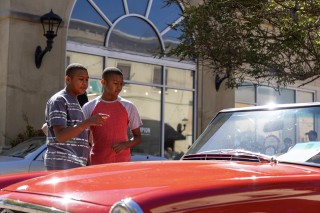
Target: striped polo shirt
[[64, 110]]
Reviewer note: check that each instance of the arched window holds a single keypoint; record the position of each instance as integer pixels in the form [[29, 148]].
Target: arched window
[[129, 34]]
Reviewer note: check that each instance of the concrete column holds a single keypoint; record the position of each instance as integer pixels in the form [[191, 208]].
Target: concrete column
[[24, 89]]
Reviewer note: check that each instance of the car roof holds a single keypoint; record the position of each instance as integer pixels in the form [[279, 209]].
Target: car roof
[[272, 107]]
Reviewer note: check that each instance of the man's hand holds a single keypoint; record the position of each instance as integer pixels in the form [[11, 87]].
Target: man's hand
[[98, 119], [118, 147]]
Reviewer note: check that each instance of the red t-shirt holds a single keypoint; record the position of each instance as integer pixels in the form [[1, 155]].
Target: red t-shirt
[[123, 114]]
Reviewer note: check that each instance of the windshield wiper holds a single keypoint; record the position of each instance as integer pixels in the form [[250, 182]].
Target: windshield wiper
[[231, 155]]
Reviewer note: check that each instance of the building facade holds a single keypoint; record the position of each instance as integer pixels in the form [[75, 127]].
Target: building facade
[[176, 99]]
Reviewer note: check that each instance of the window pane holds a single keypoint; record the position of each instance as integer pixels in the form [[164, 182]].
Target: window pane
[[267, 95], [162, 15], [245, 94], [178, 122], [303, 97], [239, 105], [112, 9], [137, 6], [125, 69], [180, 78], [139, 72], [86, 26], [94, 88], [171, 38], [306, 122], [135, 35], [147, 101], [93, 63]]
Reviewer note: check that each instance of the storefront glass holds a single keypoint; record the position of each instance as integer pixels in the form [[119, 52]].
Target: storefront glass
[[254, 95], [178, 122], [127, 35]]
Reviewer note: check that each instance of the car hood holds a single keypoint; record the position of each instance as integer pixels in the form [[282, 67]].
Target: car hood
[[107, 184]]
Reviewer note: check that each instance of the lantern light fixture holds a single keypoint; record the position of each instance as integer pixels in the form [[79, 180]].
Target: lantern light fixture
[[50, 24]]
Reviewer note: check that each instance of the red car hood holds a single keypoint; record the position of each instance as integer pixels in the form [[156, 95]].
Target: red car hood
[[107, 184]]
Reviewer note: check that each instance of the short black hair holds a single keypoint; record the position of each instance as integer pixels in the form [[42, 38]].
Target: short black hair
[[111, 71], [71, 68]]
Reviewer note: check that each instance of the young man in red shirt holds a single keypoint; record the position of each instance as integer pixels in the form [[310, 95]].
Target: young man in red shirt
[[110, 142]]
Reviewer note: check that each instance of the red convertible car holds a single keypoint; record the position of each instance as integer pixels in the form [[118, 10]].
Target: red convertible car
[[257, 159]]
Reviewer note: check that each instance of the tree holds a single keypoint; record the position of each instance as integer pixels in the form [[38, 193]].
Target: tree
[[272, 41]]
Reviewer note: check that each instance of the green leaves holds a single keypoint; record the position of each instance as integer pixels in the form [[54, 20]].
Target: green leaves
[[275, 41]]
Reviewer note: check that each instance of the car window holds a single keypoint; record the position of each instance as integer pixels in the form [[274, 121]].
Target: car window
[[23, 149], [283, 133], [41, 155]]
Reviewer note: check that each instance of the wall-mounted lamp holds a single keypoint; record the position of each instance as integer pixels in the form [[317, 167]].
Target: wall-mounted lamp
[[219, 79], [50, 23], [182, 126]]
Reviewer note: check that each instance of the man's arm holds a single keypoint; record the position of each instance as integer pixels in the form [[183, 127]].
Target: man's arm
[[65, 133], [134, 141]]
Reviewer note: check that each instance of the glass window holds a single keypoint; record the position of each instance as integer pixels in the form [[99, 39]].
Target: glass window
[[239, 105], [157, 76], [94, 89], [245, 94], [178, 122], [147, 102], [304, 97], [112, 9], [134, 34], [125, 69], [159, 8], [139, 29], [171, 38], [139, 72], [306, 122], [93, 63], [86, 26], [137, 6], [90, 15], [180, 78], [268, 95]]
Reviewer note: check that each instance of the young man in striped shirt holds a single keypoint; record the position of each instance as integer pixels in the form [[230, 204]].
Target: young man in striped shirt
[[67, 135]]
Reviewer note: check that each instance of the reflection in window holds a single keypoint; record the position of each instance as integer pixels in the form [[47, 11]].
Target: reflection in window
[[304, 97], [139, 28], [125, 69], [267, 95], [250, 94], [93, 63], [178, 121], [171, 38], [113, 9], [88, 26], [134, 34], [91, 20], [180, 78], [139, 72], [94, 88], [306, 122], [149, 110], [85, 12], [139, 7], [157, 75], [245, 94], [159, 7]]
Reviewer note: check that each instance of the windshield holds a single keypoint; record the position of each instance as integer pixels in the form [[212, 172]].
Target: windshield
[[25, 148], [288, 134]]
